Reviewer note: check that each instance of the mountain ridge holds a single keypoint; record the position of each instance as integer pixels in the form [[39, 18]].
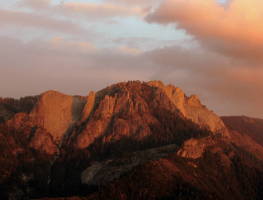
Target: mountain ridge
[[63, 145]]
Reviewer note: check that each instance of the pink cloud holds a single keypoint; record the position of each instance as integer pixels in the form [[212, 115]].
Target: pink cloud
[[72, 67], [102, 9], [234, 30], [88, 9], [25, 19], [35, 3]]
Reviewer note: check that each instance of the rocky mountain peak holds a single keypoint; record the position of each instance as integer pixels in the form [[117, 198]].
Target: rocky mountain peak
[[51, 93], [156, 83], [194, 100], [192, 108], [55, 112], [127, 109]]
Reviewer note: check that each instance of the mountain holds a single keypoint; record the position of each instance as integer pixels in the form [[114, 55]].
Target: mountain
[[131, 140], [251, 127]]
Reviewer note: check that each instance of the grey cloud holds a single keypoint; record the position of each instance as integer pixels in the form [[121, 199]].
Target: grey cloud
[[25, 19]]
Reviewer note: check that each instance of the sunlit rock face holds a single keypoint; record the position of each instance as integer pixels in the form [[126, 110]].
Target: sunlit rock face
[[56, 112], [90, 102], [98, 123], [193, 148], [128, 110], [192, 108]]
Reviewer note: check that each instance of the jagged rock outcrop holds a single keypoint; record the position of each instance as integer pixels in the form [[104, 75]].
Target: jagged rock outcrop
[[195, 148], [56, 112], [137, 101], [192, 108], [98, 124], [89, 106]]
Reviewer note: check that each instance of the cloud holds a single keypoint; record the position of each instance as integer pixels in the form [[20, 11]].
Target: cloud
[[141, 3], [100, 10], [32, 20], [129, 50], [89, 10], [68, 66], [234, 30], [82, 46], [37, 4]]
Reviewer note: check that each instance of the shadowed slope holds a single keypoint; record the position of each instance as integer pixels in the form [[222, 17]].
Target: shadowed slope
[[252, 127]]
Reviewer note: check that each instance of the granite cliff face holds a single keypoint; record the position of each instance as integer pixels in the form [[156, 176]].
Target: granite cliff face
[[56, 112], [61, 145], [192, 108], [130, 109]]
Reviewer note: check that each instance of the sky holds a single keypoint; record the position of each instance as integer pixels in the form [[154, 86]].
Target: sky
[[211, 48]]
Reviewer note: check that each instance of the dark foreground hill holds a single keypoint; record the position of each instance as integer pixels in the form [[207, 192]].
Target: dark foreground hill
[[252, 127], [132, 140]]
